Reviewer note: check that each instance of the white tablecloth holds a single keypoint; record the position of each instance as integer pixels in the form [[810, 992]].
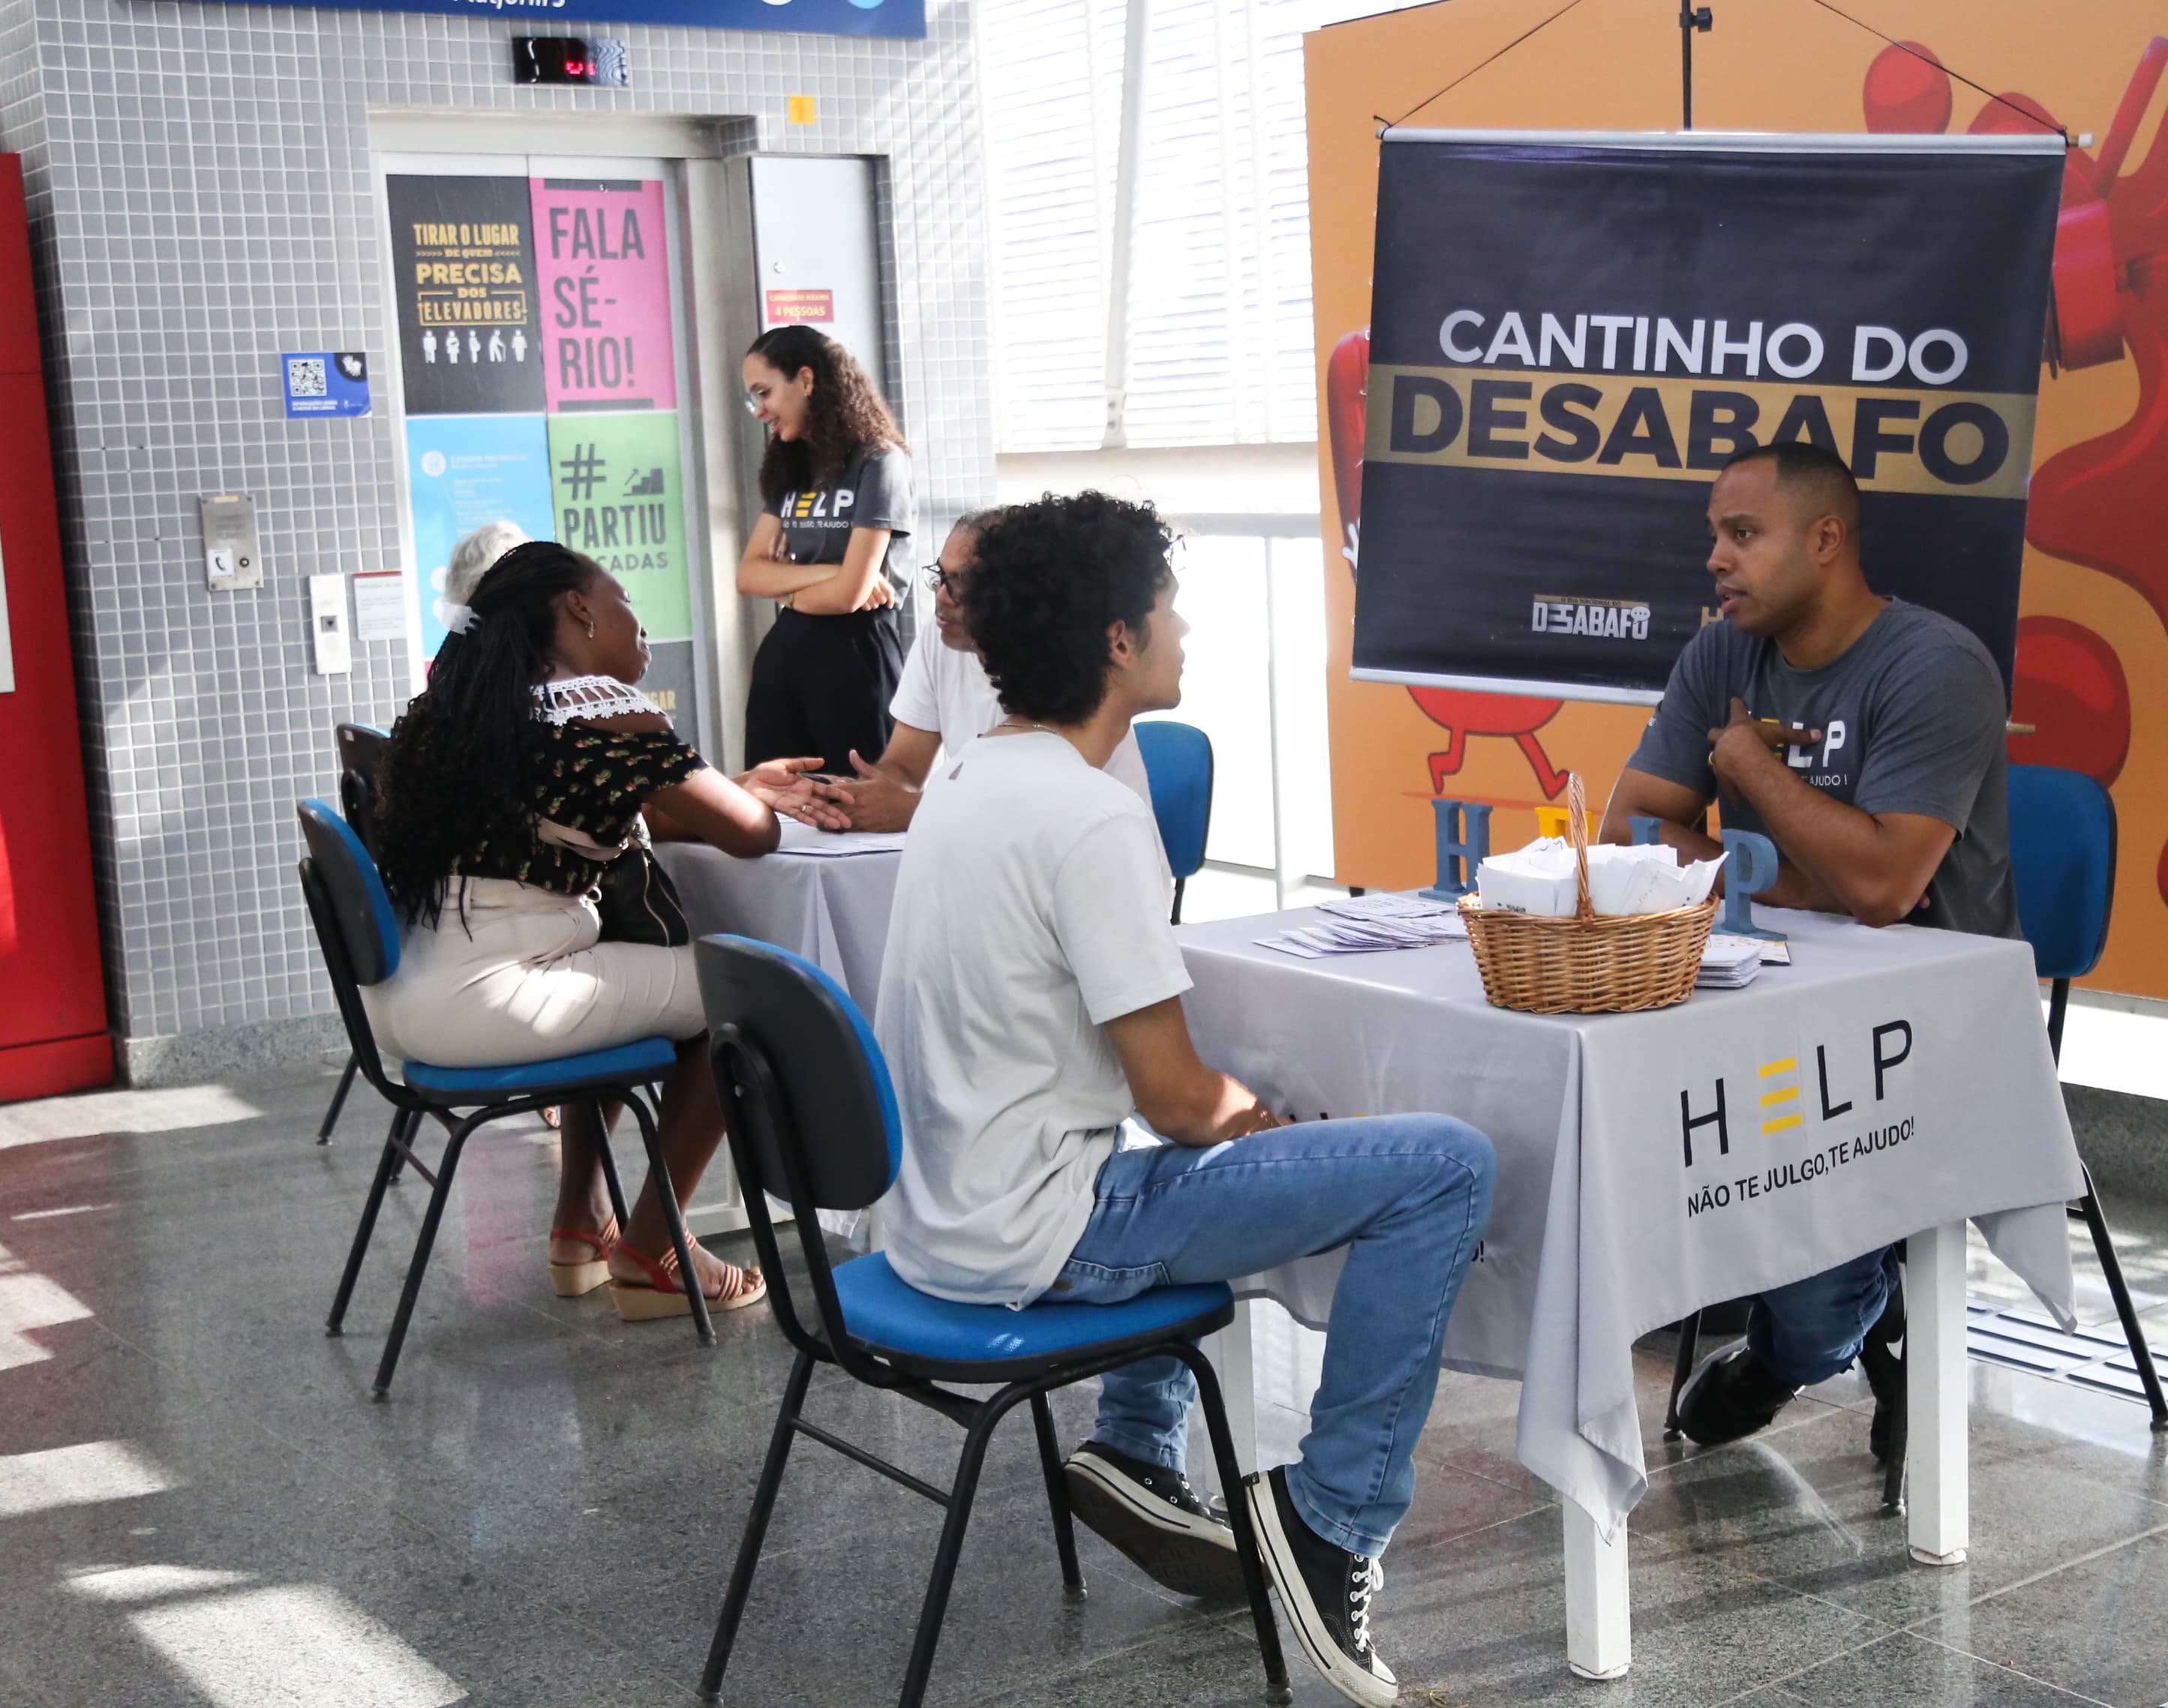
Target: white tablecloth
[[832, 910], [1600, 1230]]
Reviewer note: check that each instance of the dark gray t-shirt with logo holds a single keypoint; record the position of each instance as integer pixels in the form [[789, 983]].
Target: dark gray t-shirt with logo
[[1912, 715], [874, 491]]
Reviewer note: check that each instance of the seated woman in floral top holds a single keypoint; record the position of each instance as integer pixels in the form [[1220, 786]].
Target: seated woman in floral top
[[529, 755]]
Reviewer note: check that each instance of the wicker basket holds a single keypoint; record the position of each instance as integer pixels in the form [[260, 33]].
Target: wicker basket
[[1587, 964]]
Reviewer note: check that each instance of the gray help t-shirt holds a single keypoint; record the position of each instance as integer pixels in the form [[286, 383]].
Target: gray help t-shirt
[[874, 491], [1912, 715]]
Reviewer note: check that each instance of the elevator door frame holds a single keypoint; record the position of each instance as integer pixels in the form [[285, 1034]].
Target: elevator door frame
[[710, 252]]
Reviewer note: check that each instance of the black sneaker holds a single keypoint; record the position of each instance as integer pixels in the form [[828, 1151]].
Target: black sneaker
[[1152, 1515], [1325, 1593], [1882, 1361], [1730, 1396]]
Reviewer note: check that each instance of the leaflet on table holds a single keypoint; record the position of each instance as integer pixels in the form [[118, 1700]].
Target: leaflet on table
[[1730, 962], [833, 845], [1363, 925]]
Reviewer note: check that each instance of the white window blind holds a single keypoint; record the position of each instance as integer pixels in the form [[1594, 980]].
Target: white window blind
[[1221, 336]]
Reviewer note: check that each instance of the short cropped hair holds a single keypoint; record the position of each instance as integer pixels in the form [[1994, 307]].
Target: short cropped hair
[[475, 555], [1817, 480], [1048, 580]]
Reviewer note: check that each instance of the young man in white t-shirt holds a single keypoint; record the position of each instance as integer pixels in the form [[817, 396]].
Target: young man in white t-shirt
[[1030, 1002], [944, 702]]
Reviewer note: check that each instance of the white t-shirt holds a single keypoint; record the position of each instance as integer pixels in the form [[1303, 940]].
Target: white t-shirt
[[1029, 912], [945, 689]]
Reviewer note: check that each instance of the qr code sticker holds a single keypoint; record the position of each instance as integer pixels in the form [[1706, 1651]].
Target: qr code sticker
[[305, 376]]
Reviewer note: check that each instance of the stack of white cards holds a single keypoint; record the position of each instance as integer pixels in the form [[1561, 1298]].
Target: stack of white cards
[[1730, 962], [837, 844], [1363, 925]]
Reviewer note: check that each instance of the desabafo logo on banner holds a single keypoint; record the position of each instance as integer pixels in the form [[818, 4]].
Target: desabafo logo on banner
[[1600, 619], [1731, 1129], [1650, 396]]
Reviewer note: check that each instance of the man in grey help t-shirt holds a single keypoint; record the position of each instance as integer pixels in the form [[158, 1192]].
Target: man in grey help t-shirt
[[1865, 737]]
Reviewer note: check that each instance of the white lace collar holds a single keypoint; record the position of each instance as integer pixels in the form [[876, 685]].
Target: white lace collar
[[588, 698]]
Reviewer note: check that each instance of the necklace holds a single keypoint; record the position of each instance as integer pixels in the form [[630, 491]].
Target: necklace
[[1009, 726]]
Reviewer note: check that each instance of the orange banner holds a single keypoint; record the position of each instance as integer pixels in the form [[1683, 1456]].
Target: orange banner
[[2092, 650]]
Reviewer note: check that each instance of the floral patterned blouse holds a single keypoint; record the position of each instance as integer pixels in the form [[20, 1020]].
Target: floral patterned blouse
[[586, 778]]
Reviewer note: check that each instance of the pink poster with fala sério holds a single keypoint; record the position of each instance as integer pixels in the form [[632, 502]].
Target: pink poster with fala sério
[[600, 244]]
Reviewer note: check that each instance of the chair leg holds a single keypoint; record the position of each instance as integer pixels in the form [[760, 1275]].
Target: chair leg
[[339, 1099], [409, 1133], [335, 1323], [680, 1241], [609, 1171], [1176, 918], [1883, 1366], [419, 1266], [1057, 1494], [1682, 1368], [960, 1496], [1238, 1515], [756, 1530], [2119, 1291], [1893, 1467]]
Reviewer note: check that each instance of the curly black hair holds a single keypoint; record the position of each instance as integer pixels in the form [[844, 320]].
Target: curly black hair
[[1047, 581], [846, 414], [457, 767]]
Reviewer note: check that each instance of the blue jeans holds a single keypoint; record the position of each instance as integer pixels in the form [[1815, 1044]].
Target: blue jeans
[[1808, 1331], [1408, 1194]]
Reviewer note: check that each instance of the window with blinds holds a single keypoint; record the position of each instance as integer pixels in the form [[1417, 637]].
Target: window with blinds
[[1219, 335]]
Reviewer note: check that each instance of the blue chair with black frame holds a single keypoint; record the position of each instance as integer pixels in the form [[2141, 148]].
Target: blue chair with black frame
[[360, 750], [812, 1119], [359, 935], [2062, 850], [1178, 765]]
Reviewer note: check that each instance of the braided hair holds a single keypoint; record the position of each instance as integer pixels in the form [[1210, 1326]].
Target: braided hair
[[845, 413], [458, 767]]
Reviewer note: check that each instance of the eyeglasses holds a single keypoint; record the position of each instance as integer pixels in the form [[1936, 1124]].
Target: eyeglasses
[[752, 403], [938, 582]]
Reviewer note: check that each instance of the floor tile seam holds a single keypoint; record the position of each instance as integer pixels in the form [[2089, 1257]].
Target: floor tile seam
[[1484, 1530], [250, 1418], [1883, 1634], [508, 1586], [769, 1550], [1519, 1487], [1830, 1408], [2003, 1669], [2026, 1583], [1159, 1639]]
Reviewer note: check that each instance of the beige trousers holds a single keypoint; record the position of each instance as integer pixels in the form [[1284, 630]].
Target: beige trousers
[[523, 979]]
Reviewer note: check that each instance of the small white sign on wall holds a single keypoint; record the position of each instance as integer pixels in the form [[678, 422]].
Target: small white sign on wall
[[379, 605]]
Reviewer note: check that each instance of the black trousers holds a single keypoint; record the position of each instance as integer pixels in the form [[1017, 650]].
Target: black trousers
[[822, 685]]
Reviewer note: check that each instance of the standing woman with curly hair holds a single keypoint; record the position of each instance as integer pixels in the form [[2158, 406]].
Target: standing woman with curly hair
[[523, 766], [836, 511]]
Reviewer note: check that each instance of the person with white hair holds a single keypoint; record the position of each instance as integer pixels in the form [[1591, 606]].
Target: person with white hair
[[473, 557]]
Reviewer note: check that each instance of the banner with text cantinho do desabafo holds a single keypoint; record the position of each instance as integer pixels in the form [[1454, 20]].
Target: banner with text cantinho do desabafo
[[1570, 334]]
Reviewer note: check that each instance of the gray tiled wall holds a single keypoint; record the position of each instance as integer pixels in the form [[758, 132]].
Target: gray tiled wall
[[201, 200]]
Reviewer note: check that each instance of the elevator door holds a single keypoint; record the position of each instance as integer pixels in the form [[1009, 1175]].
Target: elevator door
[[544, 381]]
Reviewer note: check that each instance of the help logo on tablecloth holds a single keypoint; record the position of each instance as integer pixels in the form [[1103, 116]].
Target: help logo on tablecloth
[[1772, 1101]]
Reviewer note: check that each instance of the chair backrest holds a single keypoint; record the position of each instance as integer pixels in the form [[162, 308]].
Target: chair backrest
[[361, 910], [1178, 763], [2062, 852], [839, 1117], [810, 1110], [361, 751]]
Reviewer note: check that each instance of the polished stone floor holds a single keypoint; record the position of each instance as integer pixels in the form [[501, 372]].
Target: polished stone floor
[[199, 1504]]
